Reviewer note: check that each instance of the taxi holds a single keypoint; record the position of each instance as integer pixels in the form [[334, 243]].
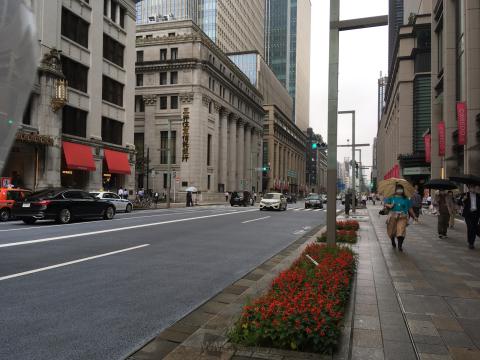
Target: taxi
[[8, 197]]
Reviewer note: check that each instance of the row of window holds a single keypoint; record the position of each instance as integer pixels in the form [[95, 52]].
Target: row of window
[[74, 122], [116, 12], [163, 54], [163, 78]]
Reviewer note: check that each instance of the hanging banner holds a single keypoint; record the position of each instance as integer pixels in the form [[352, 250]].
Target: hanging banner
[[462, 122], [441, 138], [428, 147]]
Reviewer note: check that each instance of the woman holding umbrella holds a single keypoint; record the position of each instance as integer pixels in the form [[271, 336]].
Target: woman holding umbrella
[[398, 191]]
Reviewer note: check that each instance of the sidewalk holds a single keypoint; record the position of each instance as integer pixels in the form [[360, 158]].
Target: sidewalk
[[438, 285]]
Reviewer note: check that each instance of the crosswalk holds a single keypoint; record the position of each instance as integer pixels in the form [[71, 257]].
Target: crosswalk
[[303, 209]]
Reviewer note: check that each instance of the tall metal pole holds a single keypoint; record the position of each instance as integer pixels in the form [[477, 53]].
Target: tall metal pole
[[169, 162], [354, 196], [148, 166], [332, 121]]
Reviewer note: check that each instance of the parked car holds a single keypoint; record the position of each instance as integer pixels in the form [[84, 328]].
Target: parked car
[[120, 204], [314, 201], [241, 198], [62, 205], [273, 201], [8, 197]]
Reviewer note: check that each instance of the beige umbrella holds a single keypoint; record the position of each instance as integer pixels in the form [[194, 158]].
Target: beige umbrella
[[387, 187]]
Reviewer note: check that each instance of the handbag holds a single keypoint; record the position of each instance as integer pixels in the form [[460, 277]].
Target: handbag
[[384, 211]]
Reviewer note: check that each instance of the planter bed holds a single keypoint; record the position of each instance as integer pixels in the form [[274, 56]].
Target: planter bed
[[304, 307]]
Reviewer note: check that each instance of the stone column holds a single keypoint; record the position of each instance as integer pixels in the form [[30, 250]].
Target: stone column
[[248, 163], [240, 152], [223, 149], [232, 154]]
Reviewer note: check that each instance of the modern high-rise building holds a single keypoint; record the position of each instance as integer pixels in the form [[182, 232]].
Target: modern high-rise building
[[234, 26], [287, 51]]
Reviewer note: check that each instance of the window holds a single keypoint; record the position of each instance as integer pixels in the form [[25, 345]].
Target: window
[[113, 12], [174, 53], [165, 180], [163, 78], [27, 114], [164, 147], [139, 141], [112, 91], [112, 131], [172, 34], [163, 54], [74, 121], [184, 183], [122, 17], [208, 182], [139, 81], [174, 77], [163, 102], [150, 36], [113, 50], [210, 107], [209, 151], [105, 7], [174, 102], [140, 56], [74, 27], [75, 73], [139, 104]]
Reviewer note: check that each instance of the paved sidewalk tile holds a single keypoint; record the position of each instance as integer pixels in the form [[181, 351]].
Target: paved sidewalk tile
[[437, 283]]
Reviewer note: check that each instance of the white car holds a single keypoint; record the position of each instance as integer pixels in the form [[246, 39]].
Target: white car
[[273, 201], [119, 203]]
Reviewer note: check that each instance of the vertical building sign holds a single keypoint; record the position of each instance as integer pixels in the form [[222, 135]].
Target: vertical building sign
[[462, 122], [428, 147], [186, 134], [441, 138]]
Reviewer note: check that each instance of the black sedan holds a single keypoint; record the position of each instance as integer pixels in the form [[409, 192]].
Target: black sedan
[[241, 198], [62, 205], [314, 201]]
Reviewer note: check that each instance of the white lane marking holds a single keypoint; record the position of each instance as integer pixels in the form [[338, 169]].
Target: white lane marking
[[101, 220], [265, 217], [71, 262], [118, 229], [318, 210]]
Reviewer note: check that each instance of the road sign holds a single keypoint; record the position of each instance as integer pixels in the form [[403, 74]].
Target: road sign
[[177, 179]]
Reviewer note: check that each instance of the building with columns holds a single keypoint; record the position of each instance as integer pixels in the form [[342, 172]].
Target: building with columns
[[79, 133], [180, 70]]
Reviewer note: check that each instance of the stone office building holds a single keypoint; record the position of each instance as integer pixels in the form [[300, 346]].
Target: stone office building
[[180, 70], [81, 135]]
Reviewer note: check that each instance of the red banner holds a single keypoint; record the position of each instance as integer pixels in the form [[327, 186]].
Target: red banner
[[428, 147], [462, 122], [441, 138]]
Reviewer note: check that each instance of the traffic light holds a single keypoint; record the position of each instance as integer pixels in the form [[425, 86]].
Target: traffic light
[[314, 146], [356, 168]]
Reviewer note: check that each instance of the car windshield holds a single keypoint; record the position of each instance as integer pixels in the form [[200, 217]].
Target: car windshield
[[43, 194], [272, 196], [313, 197], [16, 195]]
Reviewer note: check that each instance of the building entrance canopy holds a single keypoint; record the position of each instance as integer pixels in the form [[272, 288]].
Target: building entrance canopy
[[117, 162], [78, 156]]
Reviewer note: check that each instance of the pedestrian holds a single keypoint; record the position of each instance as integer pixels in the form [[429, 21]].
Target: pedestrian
[[452, 209], [125, 193], [471, 202], [364, 200], [226, 196], [120, 192], [416, 203], [400, 206], [374, 196], [348, 200], [141, 193], [443, 213], [189, 199], [254, 197]]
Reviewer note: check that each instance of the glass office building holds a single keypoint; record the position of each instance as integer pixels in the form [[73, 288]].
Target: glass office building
[[248, 64], [163, 10]]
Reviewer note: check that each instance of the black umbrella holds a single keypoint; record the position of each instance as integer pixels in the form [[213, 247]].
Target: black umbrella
[[440, 184], [468, 179]]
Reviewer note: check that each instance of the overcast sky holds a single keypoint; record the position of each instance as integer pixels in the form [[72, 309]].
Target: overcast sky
[[363, 54]]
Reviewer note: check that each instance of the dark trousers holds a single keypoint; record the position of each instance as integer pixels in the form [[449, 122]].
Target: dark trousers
[[347, 210], [472, 222], [443, 220]]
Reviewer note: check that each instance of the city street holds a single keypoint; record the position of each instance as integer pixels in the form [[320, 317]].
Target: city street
[[101, 289]]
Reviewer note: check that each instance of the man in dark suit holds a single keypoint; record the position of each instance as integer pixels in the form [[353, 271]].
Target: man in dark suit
[[471, 213]]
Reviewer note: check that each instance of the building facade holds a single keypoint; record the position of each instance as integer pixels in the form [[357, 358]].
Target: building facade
[[180, 71], [382, 88], [316, 163], [287, 51], [79, 133], [406, 117], [233, 25], [455, 149]]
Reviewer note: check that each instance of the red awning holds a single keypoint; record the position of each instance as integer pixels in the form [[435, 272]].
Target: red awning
[[117, 162], [78, 156]]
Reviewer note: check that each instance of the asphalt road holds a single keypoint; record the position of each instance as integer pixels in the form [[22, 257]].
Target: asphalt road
[[100, 289]]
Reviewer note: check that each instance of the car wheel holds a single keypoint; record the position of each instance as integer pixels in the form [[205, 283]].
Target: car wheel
[[64, 216], [29, 221], [109, 213], [128, 208], [4, 214]]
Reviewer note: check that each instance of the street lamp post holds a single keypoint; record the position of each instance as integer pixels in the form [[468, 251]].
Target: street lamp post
[[352, 112]]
